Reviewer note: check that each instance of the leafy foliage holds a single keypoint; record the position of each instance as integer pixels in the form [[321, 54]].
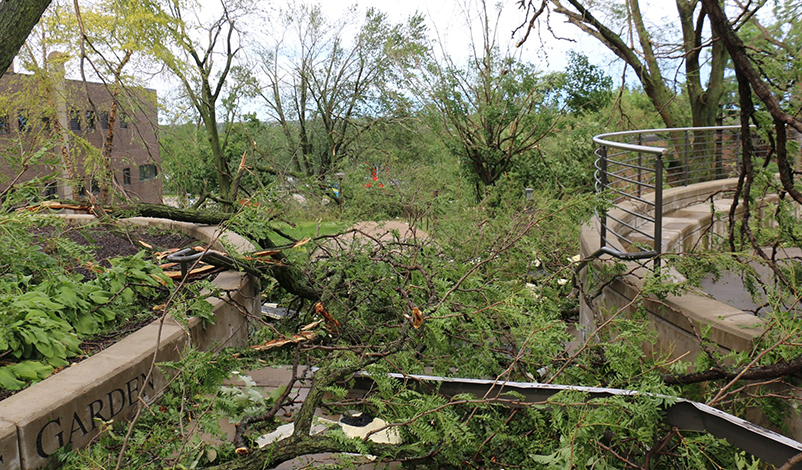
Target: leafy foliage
[[587, 87], [45, 309], [495, 112]]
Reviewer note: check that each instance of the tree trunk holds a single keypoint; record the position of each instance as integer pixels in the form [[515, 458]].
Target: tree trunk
[[17, 18], [289, 277], [290, 448]]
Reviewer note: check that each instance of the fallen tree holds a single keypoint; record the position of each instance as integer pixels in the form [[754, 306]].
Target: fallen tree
[[288, 276]]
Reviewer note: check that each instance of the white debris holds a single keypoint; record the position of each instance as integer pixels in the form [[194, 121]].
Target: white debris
[[385, 436], [319, 425], [285, 430]]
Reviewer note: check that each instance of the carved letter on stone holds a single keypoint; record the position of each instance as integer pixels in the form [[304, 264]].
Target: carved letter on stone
[[95, 415], [77, 420], [112, 412], [133, 392], [59, 438], [150, 382]]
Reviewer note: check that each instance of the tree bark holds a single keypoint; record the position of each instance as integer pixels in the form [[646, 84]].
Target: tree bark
[[767, 372], [737, 50], [703, 100], [17, 18], [293, 447]]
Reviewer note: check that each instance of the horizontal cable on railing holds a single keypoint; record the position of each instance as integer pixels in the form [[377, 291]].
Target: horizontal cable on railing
[[633, 228], [620, 236], [631, 196], [634, 167], [637, 214], [630, 161], [635, 182]]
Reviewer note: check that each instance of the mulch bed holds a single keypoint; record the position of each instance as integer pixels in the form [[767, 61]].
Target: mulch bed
[[107, 243]]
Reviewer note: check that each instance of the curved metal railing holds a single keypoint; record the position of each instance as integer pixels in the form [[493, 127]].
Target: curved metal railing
[[635, 166]]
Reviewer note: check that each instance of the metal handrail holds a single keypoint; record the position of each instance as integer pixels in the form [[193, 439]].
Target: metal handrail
[[601, 139], [697, 161]]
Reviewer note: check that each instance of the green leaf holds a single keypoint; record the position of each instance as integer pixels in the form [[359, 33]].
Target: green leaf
[[99, 297], [30, 370], [8, 380], [86, 325], [67, 296]]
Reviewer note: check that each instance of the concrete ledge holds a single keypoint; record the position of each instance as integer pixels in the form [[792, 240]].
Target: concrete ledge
[[64, 408], [692, 215], [686, 223]]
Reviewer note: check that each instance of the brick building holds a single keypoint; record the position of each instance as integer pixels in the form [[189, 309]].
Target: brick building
[[30, 105]]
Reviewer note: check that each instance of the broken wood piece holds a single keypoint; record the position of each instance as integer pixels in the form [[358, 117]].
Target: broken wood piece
[[54, 205], [266, 253], [164, 254], [312, 325], [330, 320], [302, 242], [416, 319], [277, 343], [205, 269]]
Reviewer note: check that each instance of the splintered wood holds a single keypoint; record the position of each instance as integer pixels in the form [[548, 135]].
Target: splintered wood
[[306, 334]]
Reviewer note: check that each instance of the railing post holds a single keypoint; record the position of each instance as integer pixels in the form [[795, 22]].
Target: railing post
[[658, 210], [685, 165], [640, 165], [719, 149], [603, 181]]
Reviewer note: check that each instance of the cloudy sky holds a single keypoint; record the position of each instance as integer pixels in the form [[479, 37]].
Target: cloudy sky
[[451, 21]]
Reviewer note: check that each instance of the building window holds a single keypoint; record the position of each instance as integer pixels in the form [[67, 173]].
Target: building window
[[4, 127], [104, 120], [123, 121], [75, 120], [46, 124], [127, 175], [89, 119], [147, 172], [51, 190], [22, 121]]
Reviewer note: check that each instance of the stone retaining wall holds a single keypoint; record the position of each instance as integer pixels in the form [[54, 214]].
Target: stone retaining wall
[[65, 408], [697, 212], [677, 317]]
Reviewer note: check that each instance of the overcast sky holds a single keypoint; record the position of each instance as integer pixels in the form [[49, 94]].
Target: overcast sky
[[450, 25]]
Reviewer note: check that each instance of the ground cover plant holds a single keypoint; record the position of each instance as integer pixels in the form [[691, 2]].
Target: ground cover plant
[[64, 289]]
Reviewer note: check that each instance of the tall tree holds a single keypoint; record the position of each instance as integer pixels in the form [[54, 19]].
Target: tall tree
[[752, 80], [629, 37], [103, 46], [17, 19], [494, 110], [332, 87], [191, 51]]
